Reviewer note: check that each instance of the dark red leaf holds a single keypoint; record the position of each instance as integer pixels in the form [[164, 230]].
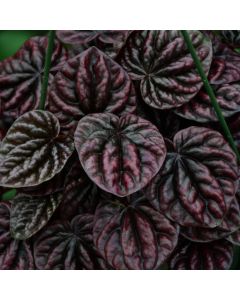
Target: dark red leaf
[[14, 255], [66, 246], [198, 180], [21, 76], [217, 255], [121, 155], [161, 60], [132, 235]]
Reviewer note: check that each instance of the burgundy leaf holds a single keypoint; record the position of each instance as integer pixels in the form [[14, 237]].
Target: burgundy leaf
[[132, 235], [217, 255], [21, 76], [198, 180], [234, 125], [33, 150], [200, 108], [89, 83], [14, 255], [161, 60], [230, 223], [121, 155], [65, 245], [29, 215]]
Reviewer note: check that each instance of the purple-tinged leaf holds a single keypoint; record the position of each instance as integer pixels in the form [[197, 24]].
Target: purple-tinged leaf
[[90, 83], [234, 238], [66, 246], [33, 150], [230, 223], [198, 181], [121, 155], [161, 60], [21, 76], [200, 108], [14, 255], [217, 255], [30, 214], [132, 235], [231, 37]]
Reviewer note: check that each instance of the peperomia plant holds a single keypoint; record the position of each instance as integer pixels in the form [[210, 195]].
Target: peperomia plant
[[112, 155]]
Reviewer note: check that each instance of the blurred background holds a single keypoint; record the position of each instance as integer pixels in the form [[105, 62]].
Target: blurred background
[[11, 40]]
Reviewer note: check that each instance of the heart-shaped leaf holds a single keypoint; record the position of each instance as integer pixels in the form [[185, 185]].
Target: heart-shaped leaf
[[132, 235], [21, 76], [200, 108], [161, 60], [14, 255], [198, 180], [230, 223], [217, 255], [33, 150], [29, 215], [65, 245], [89, 83], [121, 155]]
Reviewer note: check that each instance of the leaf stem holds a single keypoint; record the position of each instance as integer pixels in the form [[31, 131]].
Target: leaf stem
[[47, 65], [210, 93]]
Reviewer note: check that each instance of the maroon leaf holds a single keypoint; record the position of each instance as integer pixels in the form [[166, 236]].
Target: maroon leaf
[[121, 155], [109, 41], [14, 255], [65, 245], [161, 60], [230, 223], [198, 180], [217, 255], [225, 67], [132, 235], [234, 125], [21, 76], [79, 196], [33, 150], [89, 83], [231, 37], [200, 108]]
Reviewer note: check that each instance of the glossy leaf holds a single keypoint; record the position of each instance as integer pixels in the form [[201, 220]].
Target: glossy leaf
[[29, 215], [66, 245], [14, 255], [33, 150], [230, 223], [121, 155], [132, 235], [200, 108], [89, 83], [200, 256], [198, 180], [161, 60], [21, 76]]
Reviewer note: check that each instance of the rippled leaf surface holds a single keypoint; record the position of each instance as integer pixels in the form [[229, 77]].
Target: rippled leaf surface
[[132, 235], [33, 150], [232, 37], [89, 83], [66, 245], [21, 76], [121, 155], [200, 108], [198, 180], [230, 224], [14, 255], [161, 60], [217, 255], [30, 214]]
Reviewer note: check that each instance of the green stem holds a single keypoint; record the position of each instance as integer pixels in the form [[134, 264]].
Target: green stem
[[47, 65], [9, 195], [210, 92]]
